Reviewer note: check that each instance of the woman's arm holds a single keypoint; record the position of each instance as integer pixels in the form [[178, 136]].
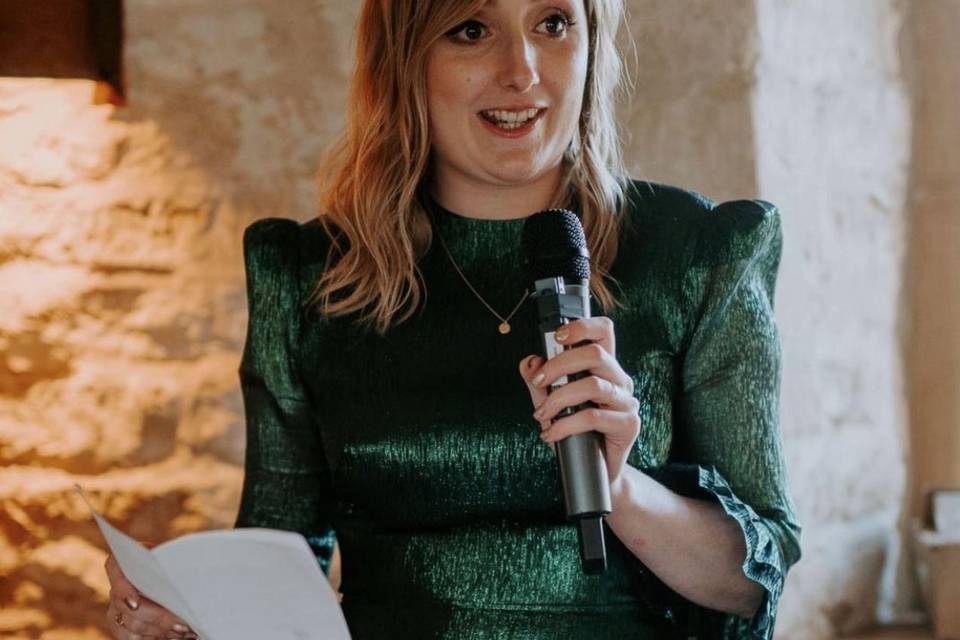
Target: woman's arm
[[692, 545], [714, 523], [286, 483]]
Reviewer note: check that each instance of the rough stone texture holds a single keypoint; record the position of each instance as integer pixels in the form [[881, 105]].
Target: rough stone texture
[[832, 125], [119, 348], [121, 273]]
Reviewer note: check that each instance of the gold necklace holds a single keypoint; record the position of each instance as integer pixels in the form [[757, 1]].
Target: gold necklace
[[504, 322]]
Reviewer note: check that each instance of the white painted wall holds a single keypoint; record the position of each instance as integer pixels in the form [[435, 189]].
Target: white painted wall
[[832, 124]]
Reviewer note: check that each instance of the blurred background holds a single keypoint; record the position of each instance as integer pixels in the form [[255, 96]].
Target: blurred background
[[124, 193]]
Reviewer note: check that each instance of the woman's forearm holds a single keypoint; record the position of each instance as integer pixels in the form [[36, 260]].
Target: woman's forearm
[[692, 545]]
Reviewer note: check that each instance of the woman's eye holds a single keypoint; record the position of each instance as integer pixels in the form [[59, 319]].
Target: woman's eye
[[469, 31], [555, 25]]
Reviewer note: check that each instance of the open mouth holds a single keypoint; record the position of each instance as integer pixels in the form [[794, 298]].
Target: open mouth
[[508, 120]]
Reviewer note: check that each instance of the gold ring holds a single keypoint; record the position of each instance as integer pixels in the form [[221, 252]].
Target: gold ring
[[118, 619]]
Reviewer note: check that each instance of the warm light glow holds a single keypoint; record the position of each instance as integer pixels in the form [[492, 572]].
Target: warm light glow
[[120, 333]]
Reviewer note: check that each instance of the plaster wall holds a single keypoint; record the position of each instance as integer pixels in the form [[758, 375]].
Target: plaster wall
[[832, 122], [689, 120]]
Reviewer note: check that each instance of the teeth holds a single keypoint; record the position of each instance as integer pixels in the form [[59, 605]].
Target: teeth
[[510, 119]]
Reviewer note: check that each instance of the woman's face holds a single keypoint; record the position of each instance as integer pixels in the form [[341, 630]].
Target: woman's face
[[505, 89]]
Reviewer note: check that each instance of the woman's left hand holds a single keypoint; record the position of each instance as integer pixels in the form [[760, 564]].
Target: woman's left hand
[[616, 416]]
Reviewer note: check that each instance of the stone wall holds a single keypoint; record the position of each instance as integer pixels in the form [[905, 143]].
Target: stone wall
[[121, 274], [122, 278]]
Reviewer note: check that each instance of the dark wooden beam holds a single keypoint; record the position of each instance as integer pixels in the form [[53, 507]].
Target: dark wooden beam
[[63, 39]]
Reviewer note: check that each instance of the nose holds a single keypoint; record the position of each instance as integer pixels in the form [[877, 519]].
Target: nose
[[519, 66]]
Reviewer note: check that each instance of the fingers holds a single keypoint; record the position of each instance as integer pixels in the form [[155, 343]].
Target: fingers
[[598, 330], [120, 587], [116, 624], [148, 619], [591, 348], [528, 368], [619, 427], [619, 430], [592, 358], [592, 345], [112, 626], [139, 615], [592, 388]]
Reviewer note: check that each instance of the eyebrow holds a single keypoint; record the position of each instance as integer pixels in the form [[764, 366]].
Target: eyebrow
[[495, 3]]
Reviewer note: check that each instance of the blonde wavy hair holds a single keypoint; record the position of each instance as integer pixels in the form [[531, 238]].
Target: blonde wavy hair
[[371, 176]]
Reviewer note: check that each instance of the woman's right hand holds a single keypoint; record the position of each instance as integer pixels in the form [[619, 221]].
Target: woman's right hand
[[131, 616]]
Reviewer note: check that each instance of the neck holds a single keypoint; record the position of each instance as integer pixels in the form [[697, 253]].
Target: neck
[[472, 199]]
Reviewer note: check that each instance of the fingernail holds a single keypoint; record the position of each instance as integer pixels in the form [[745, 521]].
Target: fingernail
[[131, 603], [545, 434], [538, 380], [538, 414], [179, 628], [562, 334]]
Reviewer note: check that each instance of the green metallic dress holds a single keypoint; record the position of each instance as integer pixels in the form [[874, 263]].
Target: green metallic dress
[[417, 451]]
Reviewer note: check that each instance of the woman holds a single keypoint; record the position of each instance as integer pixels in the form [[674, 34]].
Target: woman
[[381, 406]]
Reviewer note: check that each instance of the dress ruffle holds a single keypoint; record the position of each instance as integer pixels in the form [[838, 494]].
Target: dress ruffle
[[765, 563]]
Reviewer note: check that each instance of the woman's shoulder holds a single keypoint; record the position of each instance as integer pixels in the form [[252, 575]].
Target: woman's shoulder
[[267, 243], [285, 242], [285, 255], [288, 254], [684, 220], [275, 230]]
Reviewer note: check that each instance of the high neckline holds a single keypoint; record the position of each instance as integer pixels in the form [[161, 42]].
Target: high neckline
[[482, 247], [452, 217]]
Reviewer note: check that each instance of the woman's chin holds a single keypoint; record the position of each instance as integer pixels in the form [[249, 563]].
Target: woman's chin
[[514, 179], [515, 174]]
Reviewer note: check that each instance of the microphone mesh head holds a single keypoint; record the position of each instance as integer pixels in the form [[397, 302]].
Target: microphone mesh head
[[553, 244]]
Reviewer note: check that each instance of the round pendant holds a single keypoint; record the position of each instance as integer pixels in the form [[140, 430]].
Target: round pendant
[[504, 328]]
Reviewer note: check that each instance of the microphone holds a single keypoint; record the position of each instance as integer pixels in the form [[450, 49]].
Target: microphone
[[557, 261]]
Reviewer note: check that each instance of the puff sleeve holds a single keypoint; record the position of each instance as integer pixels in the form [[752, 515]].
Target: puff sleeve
[[727, 444], [286, 479]]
